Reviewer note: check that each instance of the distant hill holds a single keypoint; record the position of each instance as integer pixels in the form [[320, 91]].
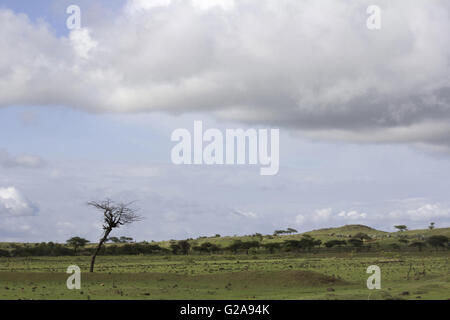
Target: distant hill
[[350, 229], [325, 234]]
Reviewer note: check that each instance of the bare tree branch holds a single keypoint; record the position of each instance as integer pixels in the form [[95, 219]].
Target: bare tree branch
[[114, 216]]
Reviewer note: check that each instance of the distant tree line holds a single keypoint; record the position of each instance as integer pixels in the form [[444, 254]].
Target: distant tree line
[[358, 242]]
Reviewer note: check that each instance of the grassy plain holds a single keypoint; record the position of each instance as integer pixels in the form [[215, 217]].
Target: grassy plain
[[282, 275], [299, 276]]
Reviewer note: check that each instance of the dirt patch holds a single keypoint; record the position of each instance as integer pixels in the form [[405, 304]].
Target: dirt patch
[[269, 278]]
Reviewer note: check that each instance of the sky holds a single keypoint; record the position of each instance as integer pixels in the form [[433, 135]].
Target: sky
[[87, 114]]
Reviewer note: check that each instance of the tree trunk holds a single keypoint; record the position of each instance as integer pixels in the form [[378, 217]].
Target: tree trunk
[[102, 240]]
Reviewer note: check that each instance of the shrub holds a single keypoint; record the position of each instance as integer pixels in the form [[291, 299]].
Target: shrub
[[438, 241], [355, 242], [4, 253], [333, 243]]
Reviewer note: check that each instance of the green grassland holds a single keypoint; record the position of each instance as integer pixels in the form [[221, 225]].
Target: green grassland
[[304, 276], [282, 275]]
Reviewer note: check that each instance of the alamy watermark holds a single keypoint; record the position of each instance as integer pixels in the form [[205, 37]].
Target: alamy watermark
[[74, 281], [73, 22], [374, 281], [236, 146], [374, 20]]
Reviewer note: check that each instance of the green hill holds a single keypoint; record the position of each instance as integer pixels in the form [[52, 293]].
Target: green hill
[[325, 234]]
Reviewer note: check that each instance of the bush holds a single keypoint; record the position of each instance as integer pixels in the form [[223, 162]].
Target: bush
[[42, 249], [272, 246], [133, 249], [4, 253], [333, 243], [438, 241], [292, 245], [362, 236], [207, 247], [355, 242], [235, 246]]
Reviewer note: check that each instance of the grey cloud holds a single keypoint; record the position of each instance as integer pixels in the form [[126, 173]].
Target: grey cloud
[[299, 65]]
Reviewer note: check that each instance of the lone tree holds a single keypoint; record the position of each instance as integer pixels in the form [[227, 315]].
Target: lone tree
[[114, 216], [77, 242], [125, 239], [278, 232], [431, 226], [401, 228], [291, 230]]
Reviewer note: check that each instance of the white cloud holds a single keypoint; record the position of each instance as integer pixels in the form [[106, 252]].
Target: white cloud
[[297, 64], [14, 203], [424, 212], [209, 4], [24, 160], [247, 214], [322, 214], [326, 216], [352, 215], [134, 6], [82, 42]]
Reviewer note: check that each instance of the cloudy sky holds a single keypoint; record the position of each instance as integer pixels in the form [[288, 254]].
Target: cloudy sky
[[85, 114]]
